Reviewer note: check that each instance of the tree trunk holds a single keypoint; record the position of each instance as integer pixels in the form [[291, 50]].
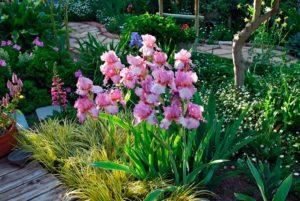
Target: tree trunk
[[239, 40]]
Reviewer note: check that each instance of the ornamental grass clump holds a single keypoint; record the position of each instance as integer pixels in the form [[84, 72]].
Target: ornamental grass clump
[[168, 136]]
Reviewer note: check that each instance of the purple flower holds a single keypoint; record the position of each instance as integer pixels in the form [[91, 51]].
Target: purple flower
[[17, 47], [136, 40], [2, 63], [3, 43], [78, 74], [68, 90], [37, 42], [9, 42]]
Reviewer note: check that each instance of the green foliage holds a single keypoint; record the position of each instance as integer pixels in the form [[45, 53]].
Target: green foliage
[[17, 19], [116, 23], [89, 58], [220, 33], [293, 45], [185, 157], [163, 28], [273, 100], [269, 183]]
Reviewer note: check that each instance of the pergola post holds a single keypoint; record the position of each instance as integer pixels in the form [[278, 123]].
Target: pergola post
[[161, 7], [197, 17]]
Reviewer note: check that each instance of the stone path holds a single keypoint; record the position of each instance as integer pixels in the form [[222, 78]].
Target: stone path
[[80, 32], [225, 51]]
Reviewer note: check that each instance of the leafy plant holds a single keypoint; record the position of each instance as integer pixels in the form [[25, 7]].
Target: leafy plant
[[89, 60], [16, 22], [160, 153], [268, 181]]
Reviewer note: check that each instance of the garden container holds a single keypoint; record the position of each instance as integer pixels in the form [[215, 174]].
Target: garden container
[[8, 141]]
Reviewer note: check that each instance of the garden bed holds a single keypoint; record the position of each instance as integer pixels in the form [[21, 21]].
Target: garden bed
[[139, 117]]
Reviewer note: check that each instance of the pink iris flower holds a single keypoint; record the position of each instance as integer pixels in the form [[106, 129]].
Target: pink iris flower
[[85, 86], [104, 101], [111, 68], [129, 79], [84, 108], [171, 113], [143, 112], [162, 79], [182, 60], [184, 84], [149, 43]]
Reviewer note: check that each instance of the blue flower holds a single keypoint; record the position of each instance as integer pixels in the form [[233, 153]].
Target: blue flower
[[136, 40]]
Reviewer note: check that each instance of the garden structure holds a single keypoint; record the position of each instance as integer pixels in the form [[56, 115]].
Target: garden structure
[[149, 100]]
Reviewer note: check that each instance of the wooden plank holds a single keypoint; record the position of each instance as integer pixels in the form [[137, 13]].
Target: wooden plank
[[180, 16], [56, 194], [32, 188], [14, 179], [6, 168]]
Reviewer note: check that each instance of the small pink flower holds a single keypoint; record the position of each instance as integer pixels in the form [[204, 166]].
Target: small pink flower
[[84, 108], [2, 63], [14, 86], [9, 42], [3, 43], [182, 60], [17, 47], [143, 112], [5, 100], [37, 42], [78, 73], [68, 90], [59, 95]]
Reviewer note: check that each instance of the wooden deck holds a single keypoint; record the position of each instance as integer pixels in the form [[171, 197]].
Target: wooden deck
[[31, 182]]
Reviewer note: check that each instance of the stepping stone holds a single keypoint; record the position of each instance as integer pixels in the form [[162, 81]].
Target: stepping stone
[[21, 121], [45, 112]]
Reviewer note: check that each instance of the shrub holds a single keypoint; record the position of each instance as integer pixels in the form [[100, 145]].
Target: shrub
[[36, 69], [80, 10], [16, 22], [165, 29]]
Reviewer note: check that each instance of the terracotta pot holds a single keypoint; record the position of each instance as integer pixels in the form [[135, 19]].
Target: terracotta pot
[[8, 141]]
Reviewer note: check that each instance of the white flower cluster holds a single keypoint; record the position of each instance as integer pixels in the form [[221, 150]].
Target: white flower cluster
[[80, 9]]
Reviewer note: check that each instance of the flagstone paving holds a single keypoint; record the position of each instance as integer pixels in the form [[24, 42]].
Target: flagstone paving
[[80, 31]]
